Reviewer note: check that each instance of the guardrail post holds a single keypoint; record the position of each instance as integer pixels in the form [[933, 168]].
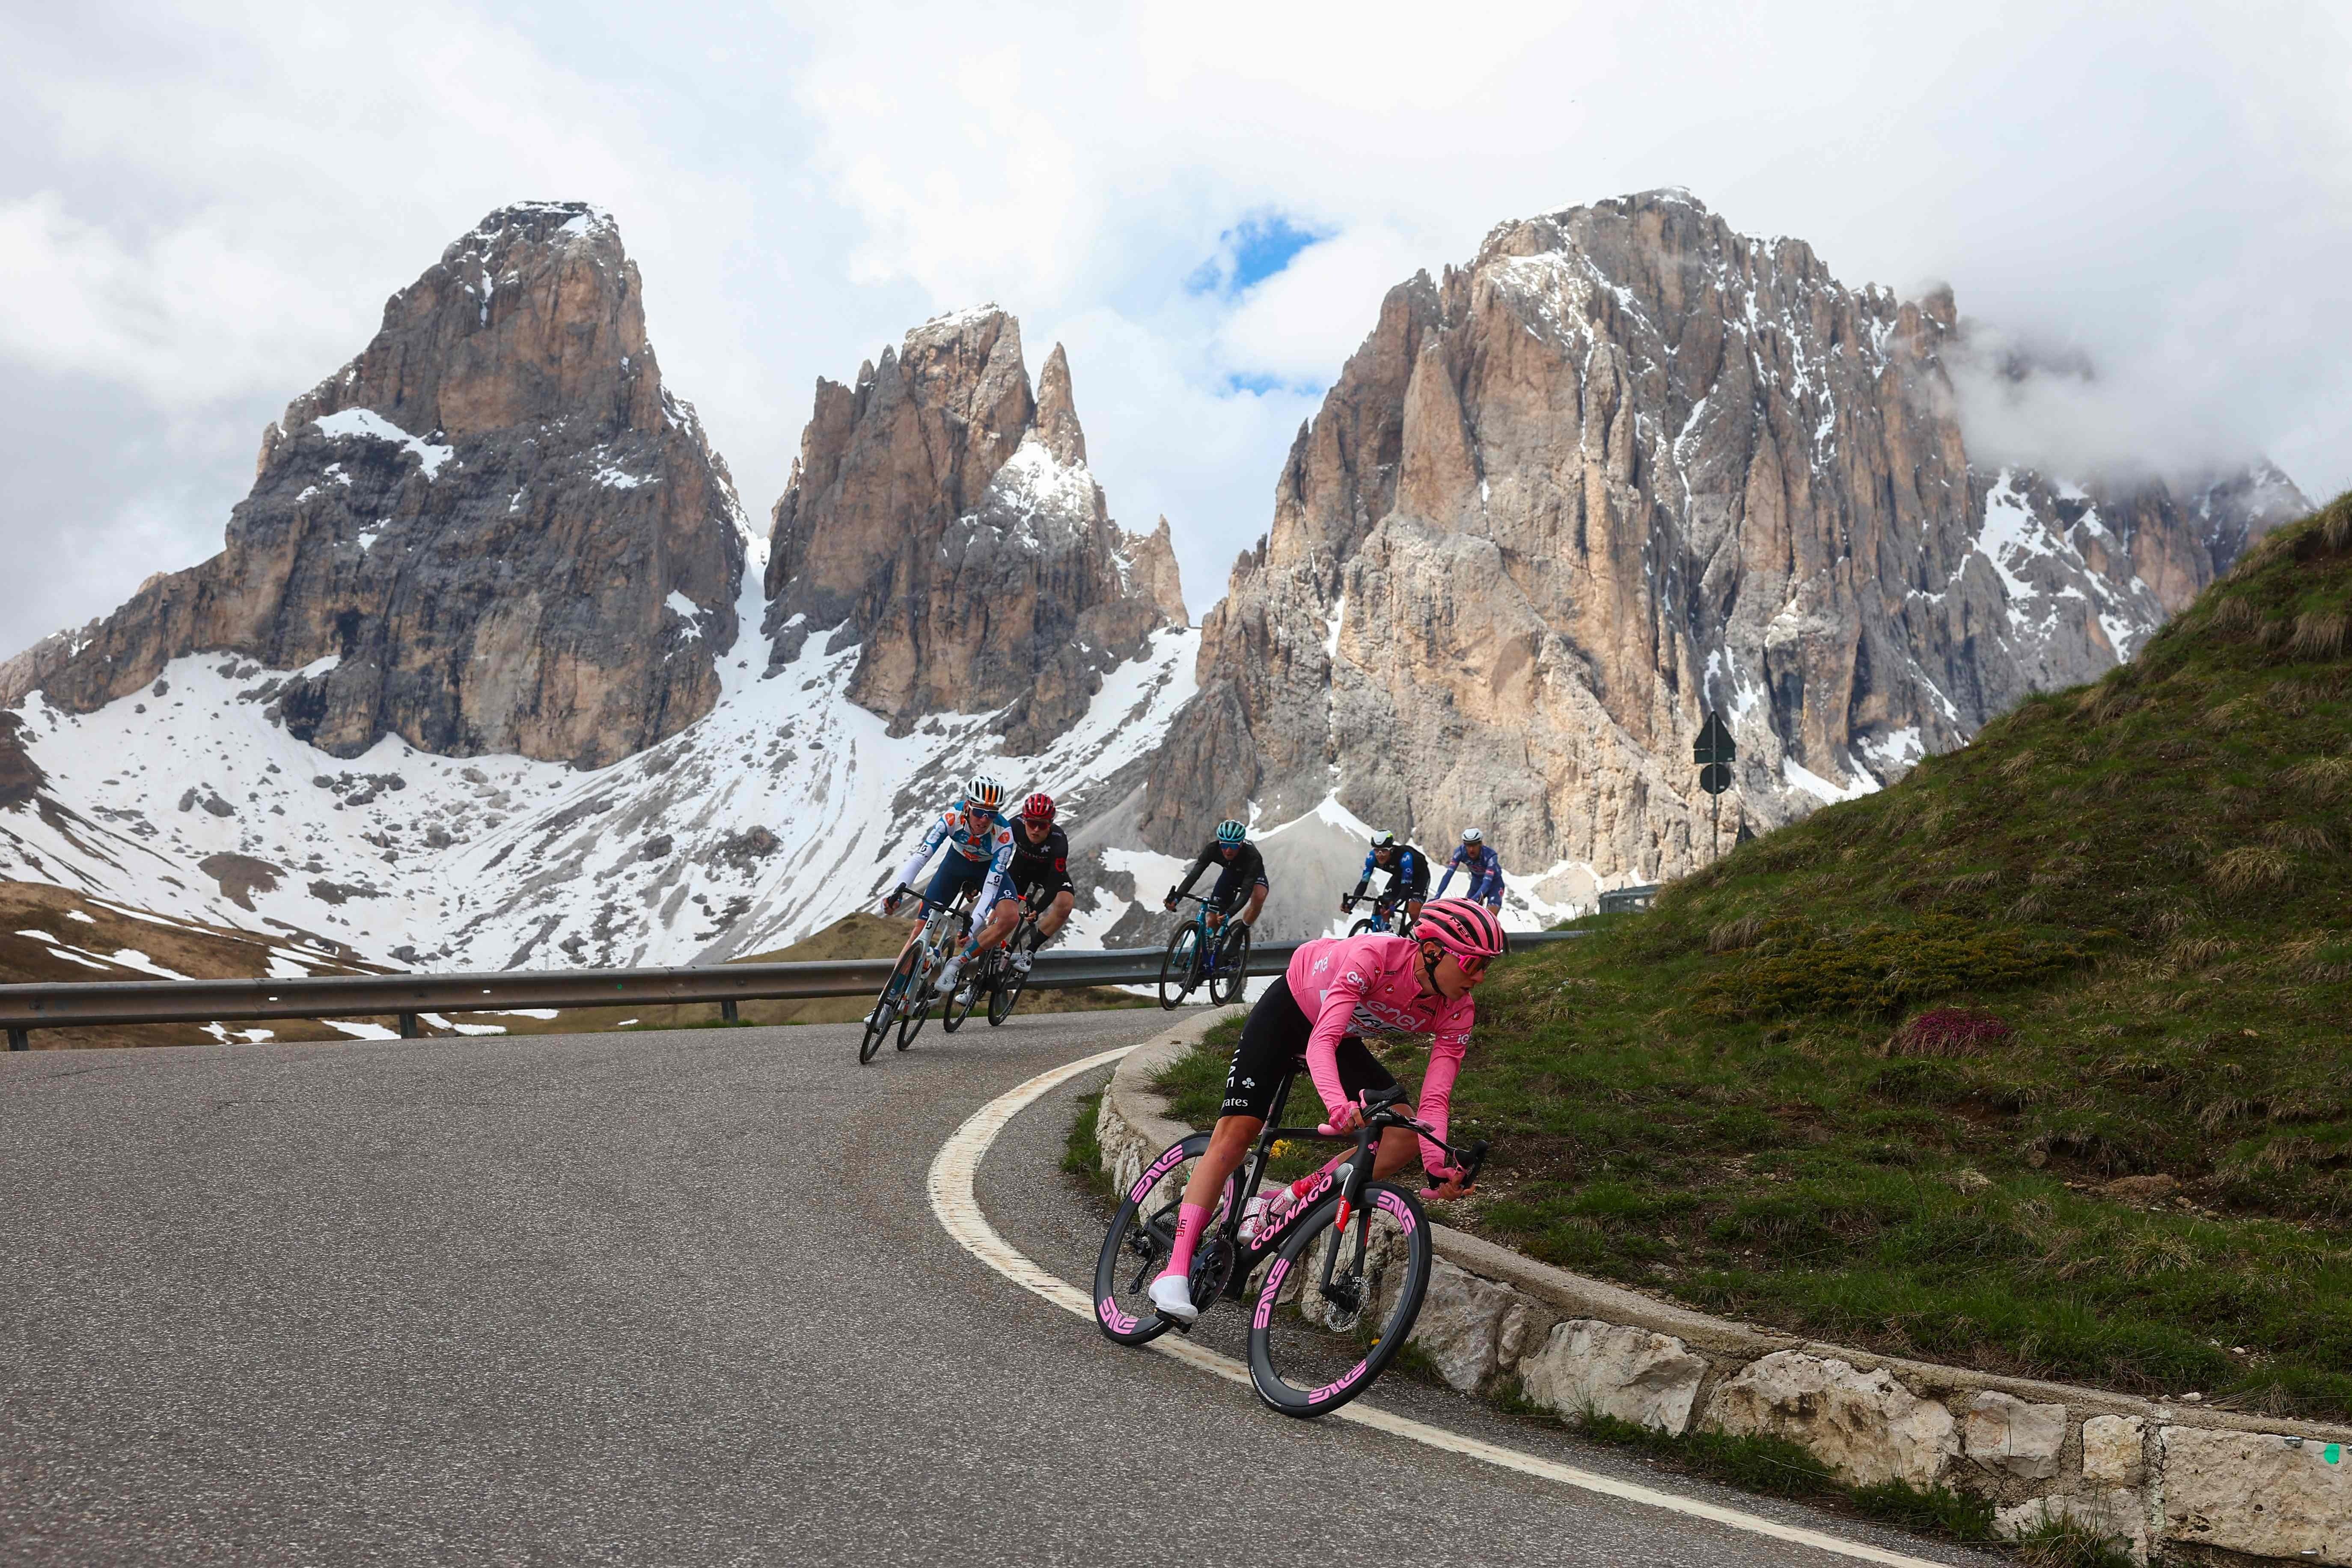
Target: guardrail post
[[20, 1040], [408, 1028], [726, 1010]]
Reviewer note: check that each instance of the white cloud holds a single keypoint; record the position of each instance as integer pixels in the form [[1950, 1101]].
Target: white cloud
[[204, 205], [1301, 324]]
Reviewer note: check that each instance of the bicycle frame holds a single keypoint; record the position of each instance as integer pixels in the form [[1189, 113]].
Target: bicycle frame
[[928, 939], [1244, 1184], [1205, 949]]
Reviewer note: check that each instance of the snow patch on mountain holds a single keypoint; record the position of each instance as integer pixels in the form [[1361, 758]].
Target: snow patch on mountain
[[786, 807]]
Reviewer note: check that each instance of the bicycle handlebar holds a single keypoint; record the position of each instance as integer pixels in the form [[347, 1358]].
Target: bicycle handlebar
[[1380, 1113], [925, 900]]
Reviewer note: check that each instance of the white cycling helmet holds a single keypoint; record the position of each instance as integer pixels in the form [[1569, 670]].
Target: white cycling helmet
[[984, 793], [1471, 835]]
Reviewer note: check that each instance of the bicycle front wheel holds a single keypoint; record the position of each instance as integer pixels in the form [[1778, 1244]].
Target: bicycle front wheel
[[918, 1004], [1176, 969], [1339, 1300], [1233, 963], [1360, 927], [885, 1014]]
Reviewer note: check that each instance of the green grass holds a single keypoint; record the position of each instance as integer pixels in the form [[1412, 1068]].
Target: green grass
[[1868, 1077], [1082, 1155]]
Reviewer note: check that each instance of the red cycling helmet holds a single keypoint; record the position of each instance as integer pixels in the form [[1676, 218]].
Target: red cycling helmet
[[1464, 928], [1038, 808]]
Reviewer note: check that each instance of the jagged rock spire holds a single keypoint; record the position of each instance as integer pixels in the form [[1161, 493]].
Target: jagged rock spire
[[944, 519], [1058, 413], [493, 530]]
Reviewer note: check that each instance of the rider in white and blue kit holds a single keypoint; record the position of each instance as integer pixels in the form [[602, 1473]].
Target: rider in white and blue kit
[[1478, 858]]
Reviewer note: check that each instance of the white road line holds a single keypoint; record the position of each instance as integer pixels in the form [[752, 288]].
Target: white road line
[[953, 1201]]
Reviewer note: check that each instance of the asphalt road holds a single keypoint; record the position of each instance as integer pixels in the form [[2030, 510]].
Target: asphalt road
[[654, 1298]]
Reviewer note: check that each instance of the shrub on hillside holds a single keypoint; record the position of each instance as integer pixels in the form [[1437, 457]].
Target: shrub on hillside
[[1796, 967]]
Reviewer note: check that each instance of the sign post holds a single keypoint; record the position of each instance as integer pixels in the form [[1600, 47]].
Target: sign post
[[1714, 753]]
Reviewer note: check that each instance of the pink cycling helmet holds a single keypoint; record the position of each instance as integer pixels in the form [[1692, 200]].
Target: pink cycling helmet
[[1464, 928]]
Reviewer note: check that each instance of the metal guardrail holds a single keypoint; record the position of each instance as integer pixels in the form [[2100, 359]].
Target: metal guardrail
[[406, 996]]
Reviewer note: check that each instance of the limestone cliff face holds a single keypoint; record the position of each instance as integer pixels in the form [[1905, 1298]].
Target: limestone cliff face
[[943, 519], [494, 531], [1626, 466]]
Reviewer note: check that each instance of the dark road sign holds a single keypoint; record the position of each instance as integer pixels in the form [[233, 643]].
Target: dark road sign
[[1715, 745], [1715, 778]]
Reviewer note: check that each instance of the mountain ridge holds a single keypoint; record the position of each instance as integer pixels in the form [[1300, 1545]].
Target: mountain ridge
[[1625, 466], [1678, 469]]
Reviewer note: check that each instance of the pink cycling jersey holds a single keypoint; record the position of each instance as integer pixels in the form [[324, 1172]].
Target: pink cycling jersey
[[1371, 985]]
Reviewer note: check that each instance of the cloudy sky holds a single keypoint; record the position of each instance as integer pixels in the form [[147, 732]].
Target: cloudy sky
[[203, 209]]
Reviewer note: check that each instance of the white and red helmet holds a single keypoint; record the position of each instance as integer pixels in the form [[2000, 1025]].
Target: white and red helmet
[[1462, 928]]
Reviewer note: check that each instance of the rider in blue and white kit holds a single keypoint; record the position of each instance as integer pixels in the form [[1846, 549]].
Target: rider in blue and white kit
[[980, 844], [1478, 858]]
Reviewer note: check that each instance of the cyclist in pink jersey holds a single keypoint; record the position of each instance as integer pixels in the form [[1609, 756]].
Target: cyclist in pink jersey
[[1335, 992]]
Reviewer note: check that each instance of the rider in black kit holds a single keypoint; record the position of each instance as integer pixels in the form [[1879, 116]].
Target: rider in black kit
[[1241, 874], [1040, 874]]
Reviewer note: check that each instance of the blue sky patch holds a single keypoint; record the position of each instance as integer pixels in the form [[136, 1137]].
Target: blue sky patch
[[1250, 252]]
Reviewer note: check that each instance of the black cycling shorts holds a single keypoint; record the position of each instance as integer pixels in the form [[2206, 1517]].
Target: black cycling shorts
[[1274, 1045], [1050, 882], [1233, 888]]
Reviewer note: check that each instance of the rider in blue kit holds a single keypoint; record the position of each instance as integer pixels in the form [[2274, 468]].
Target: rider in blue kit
[[1478, 858], [1408, 870]]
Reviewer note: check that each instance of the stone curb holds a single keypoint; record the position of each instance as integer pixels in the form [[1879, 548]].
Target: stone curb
[[2146, 1472]]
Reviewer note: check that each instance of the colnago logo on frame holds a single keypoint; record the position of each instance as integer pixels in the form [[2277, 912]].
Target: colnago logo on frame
[[1290, 1216]]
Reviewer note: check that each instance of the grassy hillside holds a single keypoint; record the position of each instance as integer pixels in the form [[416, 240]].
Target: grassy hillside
[[53, 934], [2038, 1061]]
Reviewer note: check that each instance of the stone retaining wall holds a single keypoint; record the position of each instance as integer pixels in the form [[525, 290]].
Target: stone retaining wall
[[2151, 1474]]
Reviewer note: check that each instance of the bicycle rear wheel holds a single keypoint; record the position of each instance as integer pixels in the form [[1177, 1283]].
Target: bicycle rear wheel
[[1135, 1248], [1233, 963], [955, 1009], [1007, 993], [1176, 969], [1326, 1326]]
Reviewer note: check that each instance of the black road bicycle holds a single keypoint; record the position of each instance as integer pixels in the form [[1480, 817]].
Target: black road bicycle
[[994, 973], [1196, 951], [1337, 1278], [1388, 915], [906, 995]]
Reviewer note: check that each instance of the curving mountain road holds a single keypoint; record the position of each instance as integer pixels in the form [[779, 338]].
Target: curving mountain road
[[656, 1298]]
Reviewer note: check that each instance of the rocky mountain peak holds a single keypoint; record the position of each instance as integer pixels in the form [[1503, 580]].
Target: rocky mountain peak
[[535, 314], [1626, 466], [493, 530], [943, 520]]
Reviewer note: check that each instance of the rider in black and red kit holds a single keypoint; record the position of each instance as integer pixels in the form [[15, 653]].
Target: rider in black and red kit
[[1040, 874]]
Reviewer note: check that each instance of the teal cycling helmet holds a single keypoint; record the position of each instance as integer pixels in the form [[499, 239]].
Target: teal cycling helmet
[[1230, 832]]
